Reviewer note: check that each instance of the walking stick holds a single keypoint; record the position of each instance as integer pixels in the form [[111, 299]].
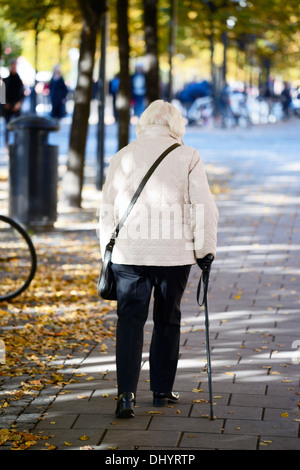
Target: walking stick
[[205, 277]]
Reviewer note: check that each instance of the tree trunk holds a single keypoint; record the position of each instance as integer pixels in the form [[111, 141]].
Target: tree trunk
[[79, 128], [151, 62], [224, 68], [123, 99], [172, 46], [73, 183]]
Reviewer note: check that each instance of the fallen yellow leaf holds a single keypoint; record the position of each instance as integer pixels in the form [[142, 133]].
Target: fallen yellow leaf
[[50, 446]]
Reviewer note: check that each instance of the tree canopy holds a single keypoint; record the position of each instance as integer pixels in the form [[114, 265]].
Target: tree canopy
[[269, 29]]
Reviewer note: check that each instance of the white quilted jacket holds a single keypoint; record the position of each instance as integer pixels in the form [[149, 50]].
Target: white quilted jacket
[[175, 218]]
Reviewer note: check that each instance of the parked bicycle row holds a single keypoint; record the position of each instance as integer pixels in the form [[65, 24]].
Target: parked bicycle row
[[232, 108]]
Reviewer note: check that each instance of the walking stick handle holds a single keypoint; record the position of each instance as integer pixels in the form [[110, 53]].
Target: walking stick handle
[[205, 265]]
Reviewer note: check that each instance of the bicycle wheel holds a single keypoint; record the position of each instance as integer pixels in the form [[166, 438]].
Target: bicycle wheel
[[17, 259]]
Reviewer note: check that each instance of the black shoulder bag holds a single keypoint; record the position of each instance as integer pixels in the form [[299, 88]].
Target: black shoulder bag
[[106, 282]]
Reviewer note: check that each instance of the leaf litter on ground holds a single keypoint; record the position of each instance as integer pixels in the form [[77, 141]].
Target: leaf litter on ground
[[59, 316]]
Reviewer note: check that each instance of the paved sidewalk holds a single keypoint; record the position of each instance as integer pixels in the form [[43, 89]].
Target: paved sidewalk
[[254, 306]]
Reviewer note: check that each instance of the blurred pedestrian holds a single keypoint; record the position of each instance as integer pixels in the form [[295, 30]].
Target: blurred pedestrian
[[286, 100], [114, 86], [14, 90], [58, 94], [172, 226], [138, 90]]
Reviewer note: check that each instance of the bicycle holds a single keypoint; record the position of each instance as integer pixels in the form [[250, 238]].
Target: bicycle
[[18, 260]]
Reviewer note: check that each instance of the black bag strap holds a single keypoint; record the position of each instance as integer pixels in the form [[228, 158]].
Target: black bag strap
[[139, 190]]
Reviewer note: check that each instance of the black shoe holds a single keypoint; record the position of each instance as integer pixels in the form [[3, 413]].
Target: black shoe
[[162, 399], [125, 405]]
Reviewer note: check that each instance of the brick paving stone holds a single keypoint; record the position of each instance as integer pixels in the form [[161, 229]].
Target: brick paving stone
[[71, 439], [283, 413], [278, 443], [228, 412], [141, 438], [218, 442], [55, 420], [94, 421], [186, 424], [181, 410], [221, 387], [258, 428], [264, 401]]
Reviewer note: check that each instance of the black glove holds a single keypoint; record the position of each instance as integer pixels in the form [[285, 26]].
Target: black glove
[[205, 263]]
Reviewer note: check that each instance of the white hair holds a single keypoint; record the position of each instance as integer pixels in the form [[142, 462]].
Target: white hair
[[162, 113]]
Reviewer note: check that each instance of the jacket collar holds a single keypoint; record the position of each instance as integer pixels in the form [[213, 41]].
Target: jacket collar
[[156, 131]]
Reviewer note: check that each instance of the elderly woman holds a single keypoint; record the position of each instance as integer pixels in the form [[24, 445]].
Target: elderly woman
[[172, 226]]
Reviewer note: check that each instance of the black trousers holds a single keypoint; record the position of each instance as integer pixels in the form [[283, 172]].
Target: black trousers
[[134, 288]]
